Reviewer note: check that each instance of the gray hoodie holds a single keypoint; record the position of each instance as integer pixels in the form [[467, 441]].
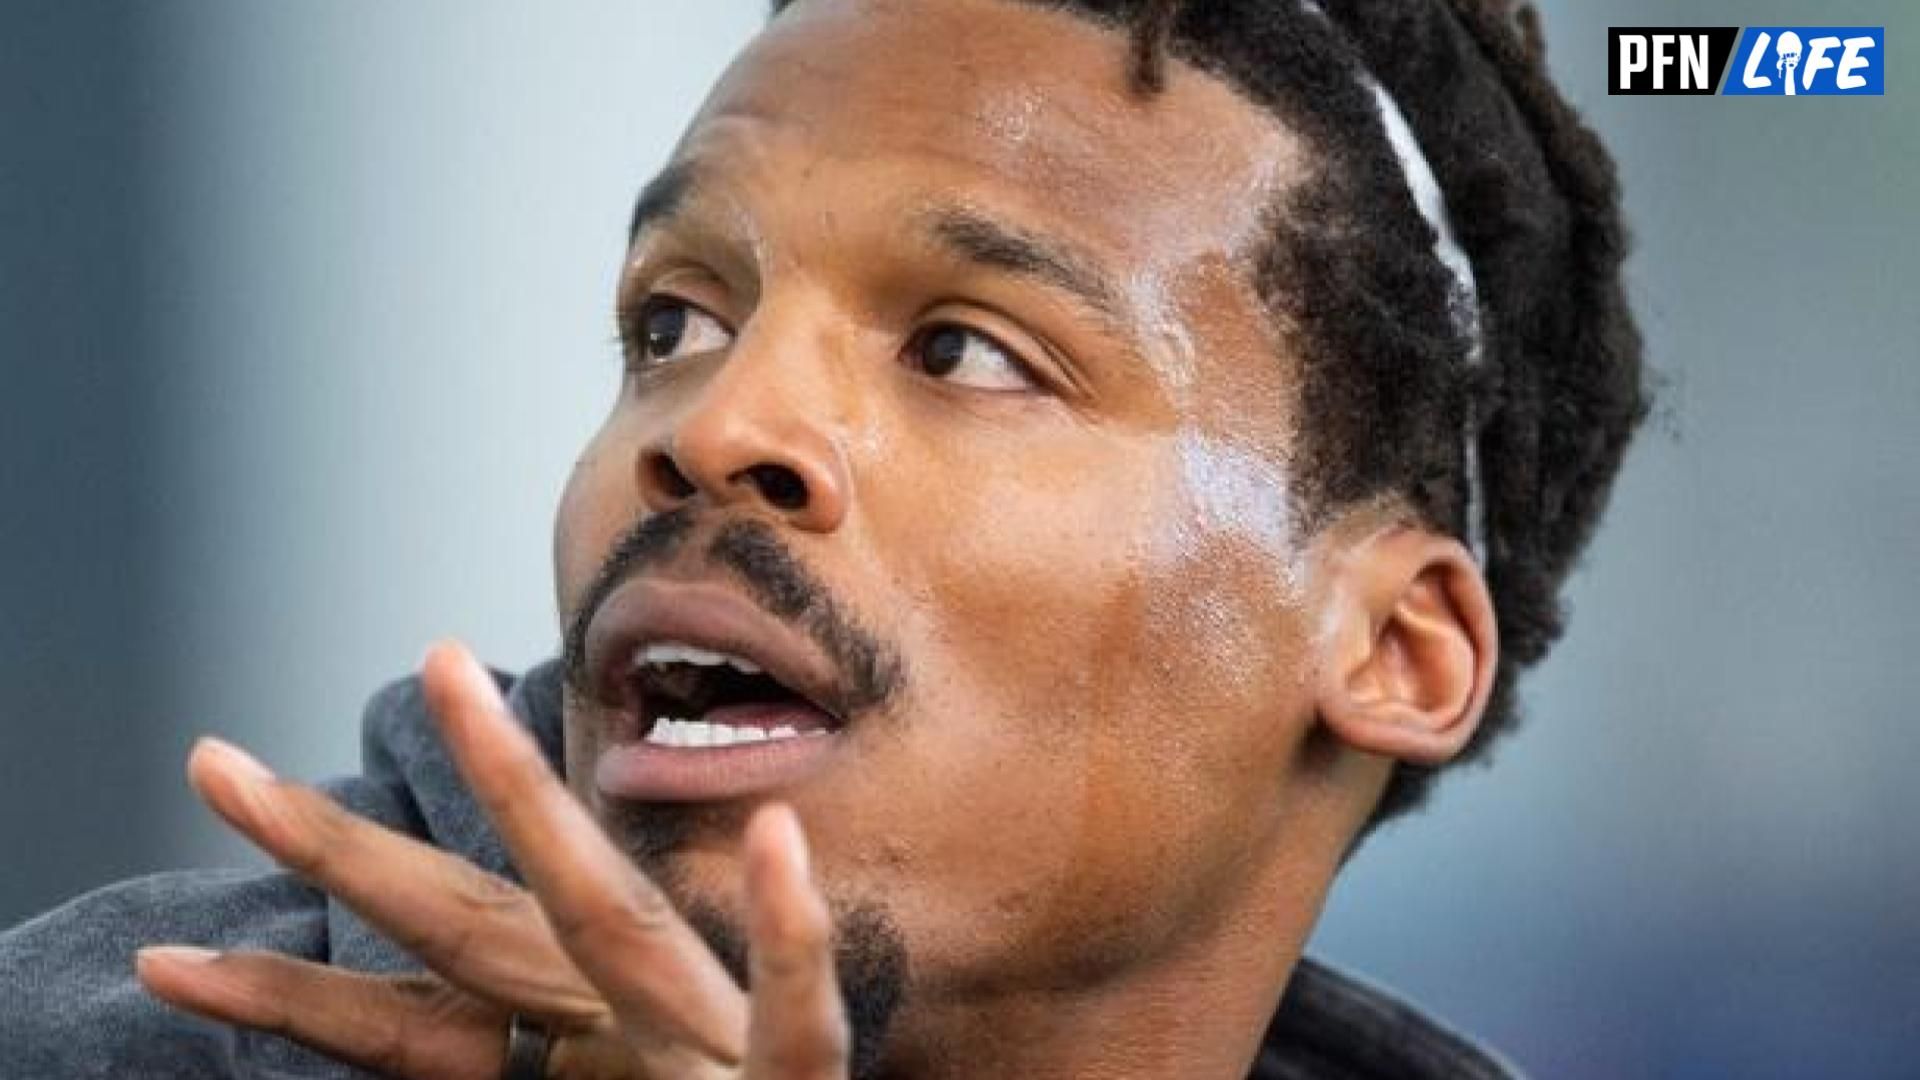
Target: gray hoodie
[[74, 1009]]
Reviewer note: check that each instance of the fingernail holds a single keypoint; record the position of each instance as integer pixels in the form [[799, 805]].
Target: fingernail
[[180, 954], [235, 758], [433, 648], [470, 670]]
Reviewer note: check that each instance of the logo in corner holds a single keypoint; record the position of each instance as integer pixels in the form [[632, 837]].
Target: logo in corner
[[1784, 61]]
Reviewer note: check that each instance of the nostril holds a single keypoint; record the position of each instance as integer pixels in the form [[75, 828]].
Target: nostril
[[779, 485], [669, 477]]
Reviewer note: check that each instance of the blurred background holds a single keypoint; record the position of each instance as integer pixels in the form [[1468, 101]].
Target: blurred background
[[304, 310]]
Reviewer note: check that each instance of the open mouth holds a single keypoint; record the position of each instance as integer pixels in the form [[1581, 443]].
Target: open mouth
[[687, 697], [709, 696]]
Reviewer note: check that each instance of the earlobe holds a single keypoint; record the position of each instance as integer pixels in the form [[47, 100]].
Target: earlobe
[[1411, 647]]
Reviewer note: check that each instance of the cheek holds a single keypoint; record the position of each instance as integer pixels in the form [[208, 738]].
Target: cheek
[[1231, 578], [1149, 597], [600, 501], [1110, 669], [1034, 586]]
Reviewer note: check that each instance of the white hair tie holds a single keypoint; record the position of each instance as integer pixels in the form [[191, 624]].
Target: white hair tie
[[1464, 303]]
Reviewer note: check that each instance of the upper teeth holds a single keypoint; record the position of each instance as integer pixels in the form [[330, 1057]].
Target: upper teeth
[[667, 731], [671, 652]]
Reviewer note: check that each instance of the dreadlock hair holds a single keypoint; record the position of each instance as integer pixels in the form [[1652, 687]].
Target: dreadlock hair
[[1400, 403]]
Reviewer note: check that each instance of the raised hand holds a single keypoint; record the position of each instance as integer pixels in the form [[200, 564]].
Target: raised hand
[[592, 951]]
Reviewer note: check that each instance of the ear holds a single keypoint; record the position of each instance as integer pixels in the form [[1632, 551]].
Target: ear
[[1410, 648]]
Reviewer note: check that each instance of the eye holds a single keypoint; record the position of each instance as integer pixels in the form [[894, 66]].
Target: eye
[[666, 329], [967, 357]]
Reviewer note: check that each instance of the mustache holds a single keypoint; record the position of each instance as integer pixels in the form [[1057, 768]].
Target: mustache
[[751, 552]]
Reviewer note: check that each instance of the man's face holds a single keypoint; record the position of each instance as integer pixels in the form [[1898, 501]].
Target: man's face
[[963, 329]]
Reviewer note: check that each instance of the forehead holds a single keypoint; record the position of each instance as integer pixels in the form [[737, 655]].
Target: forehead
[[1011, 106]]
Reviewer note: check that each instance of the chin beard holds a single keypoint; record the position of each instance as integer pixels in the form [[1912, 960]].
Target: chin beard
[[870, 954]]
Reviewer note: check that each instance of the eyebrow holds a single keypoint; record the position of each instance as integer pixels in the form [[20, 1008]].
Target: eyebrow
[[977, 238], [661, 198], [962, 231]]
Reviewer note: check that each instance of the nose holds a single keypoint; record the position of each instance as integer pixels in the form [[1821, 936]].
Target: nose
[[758, 433]]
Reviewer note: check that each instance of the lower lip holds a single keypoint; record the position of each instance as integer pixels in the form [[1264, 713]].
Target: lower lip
[[645, 772]]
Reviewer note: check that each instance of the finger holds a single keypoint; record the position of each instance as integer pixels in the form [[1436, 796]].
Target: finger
[[416, 1028], [798, 1028], [479, 931], [621, 930]]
